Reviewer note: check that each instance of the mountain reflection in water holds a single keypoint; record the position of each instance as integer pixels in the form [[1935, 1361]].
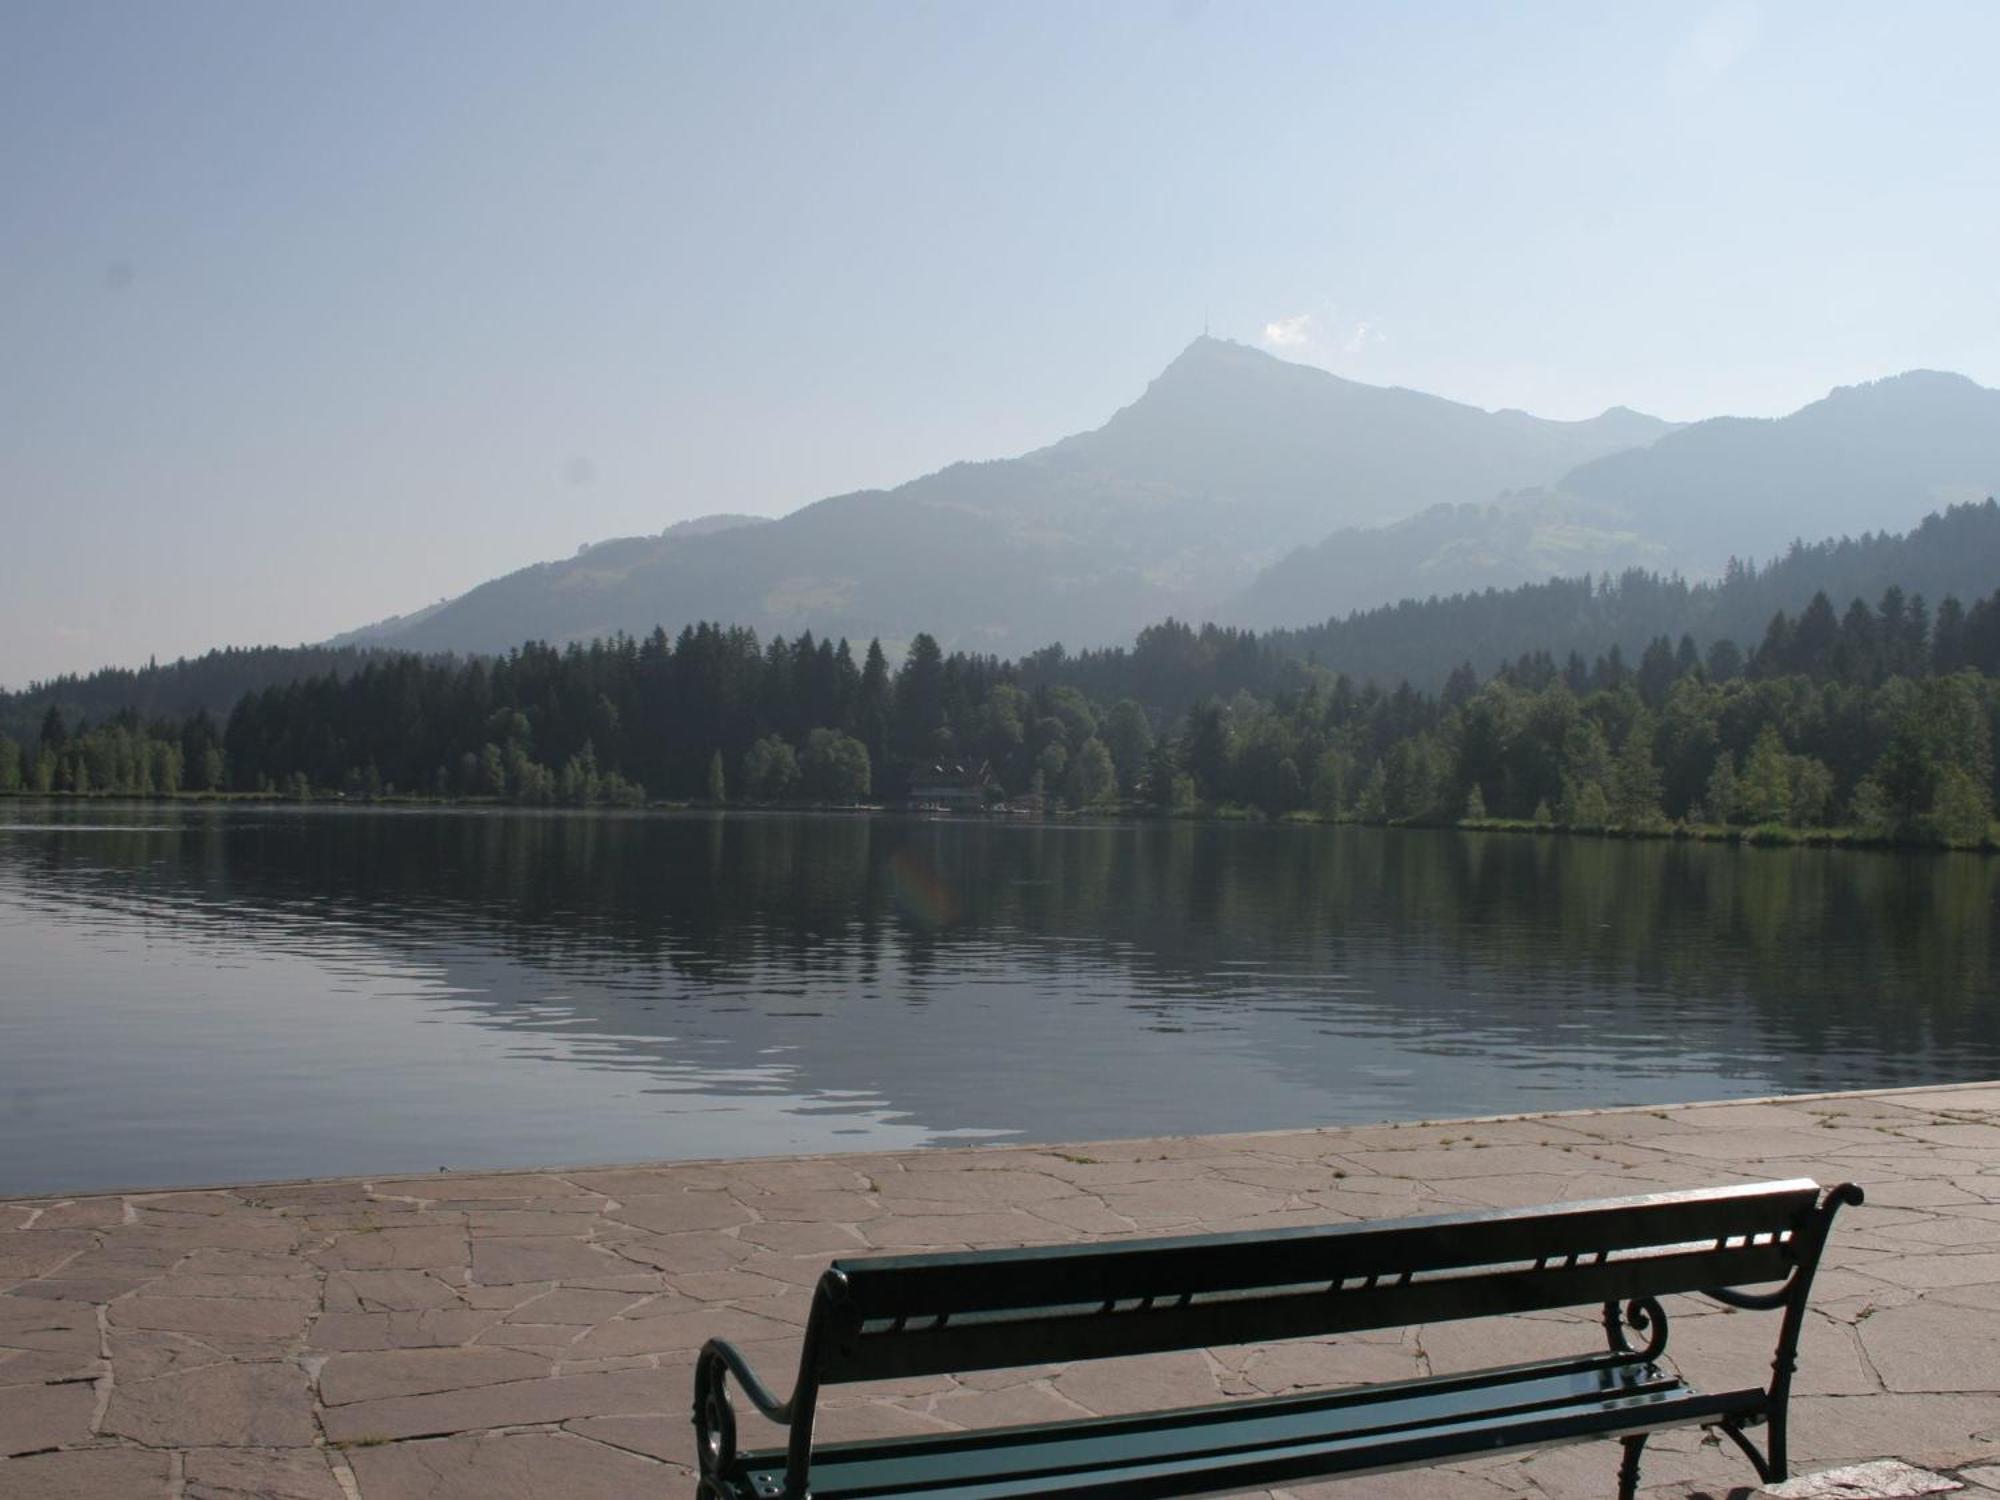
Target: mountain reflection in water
[[195, 994]]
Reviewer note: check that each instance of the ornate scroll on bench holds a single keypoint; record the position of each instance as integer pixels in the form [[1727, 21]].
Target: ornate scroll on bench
[[890, 1317]]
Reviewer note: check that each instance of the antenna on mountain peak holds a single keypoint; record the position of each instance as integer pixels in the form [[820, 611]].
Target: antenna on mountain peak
[[1204, 322]]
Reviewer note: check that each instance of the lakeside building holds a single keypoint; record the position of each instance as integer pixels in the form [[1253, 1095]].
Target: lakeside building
[[954, 785]]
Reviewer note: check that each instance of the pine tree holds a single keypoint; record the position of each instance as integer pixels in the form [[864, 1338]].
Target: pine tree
[[1814, 638], [873, 704], [1948, 637], [919, 705]]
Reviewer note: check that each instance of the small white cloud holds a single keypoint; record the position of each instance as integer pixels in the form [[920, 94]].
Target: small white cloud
[[1320, 334], [1294, 332]]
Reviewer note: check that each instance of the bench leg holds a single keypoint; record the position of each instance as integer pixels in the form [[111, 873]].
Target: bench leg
[[1628, 1468]]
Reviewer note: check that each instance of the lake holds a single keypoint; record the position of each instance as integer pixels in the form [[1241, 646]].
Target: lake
[[193, 994]]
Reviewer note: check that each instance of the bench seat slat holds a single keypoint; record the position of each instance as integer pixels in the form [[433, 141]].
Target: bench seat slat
[[1251, 1444], [1231, 1426]]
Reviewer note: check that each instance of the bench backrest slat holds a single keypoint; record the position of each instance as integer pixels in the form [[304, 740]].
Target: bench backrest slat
[[898, 1316], [999, 1342]]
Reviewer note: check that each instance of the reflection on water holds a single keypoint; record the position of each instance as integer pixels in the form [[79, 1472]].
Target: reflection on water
[[198, 994]]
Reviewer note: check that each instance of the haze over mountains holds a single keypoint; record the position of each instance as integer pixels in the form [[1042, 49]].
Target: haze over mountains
[[1255, 491], [1866, 457]]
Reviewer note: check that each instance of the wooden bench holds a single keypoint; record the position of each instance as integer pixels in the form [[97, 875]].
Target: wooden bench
[[894, 1317]]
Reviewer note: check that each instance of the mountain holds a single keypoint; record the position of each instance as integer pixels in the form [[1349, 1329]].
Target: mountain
[[1867, 457], [1448, 549], [1228, 460], [1308, 451], [1954, 554], [604, 559], [710, 525], [1883, 454]]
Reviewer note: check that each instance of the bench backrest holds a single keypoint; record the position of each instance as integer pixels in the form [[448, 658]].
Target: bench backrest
[[909, 1315]]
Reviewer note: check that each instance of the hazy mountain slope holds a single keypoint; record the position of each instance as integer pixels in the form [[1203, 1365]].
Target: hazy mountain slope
[[710, 525], [859, 566], [593, 560], [1447, 549], [1172, 665], [385, 632], [1869, 457], [1956, 553], [1229, 459], [1866, 457]]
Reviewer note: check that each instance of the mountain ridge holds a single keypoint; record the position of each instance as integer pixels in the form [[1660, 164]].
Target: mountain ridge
[[1243, 487], [1228, 459], [1874, 456], [1879, 453]]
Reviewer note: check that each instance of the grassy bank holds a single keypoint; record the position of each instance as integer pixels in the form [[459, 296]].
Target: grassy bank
[[1761, 835]]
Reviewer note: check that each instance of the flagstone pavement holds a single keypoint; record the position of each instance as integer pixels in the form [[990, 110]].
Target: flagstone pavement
[[471, 1336]]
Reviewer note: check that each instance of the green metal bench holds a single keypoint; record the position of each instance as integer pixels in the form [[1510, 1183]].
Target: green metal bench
[[893, 1317]]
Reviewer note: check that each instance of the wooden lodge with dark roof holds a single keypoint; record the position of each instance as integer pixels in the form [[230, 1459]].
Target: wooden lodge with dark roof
[[951, 784]]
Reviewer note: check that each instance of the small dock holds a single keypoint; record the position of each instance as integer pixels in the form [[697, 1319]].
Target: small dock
[[477, 1336]]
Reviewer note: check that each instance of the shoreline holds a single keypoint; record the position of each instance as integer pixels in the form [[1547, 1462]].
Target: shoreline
[[1065, 1149], [1760, 836]]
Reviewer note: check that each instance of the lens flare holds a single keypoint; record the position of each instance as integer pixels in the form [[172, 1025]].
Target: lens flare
[[921, 893]]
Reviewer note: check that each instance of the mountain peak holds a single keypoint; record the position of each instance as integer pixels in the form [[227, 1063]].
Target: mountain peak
[[1205, 351], [1207, 344]]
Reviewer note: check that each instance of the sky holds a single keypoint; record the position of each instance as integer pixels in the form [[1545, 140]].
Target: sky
[[311, 314]]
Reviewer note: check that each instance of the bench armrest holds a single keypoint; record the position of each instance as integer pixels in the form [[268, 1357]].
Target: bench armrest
[[746, 1378], [1808, 1240], [1800, 1281]]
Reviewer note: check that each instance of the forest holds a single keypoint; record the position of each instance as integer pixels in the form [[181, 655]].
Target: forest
[[1424, 641], [1878, 719], [1419, 641]]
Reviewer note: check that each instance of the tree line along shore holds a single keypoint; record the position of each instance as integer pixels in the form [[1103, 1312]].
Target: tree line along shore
[[1870, 725]]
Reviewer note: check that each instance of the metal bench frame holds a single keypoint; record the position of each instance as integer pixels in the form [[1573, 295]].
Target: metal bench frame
[[885, 1317]]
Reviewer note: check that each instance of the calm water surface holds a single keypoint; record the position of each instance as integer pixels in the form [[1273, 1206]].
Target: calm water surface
[[196, 995]]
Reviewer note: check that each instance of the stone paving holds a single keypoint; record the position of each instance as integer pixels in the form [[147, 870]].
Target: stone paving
[[482, 1337]]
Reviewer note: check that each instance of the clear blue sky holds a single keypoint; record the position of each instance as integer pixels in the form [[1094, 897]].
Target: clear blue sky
[[314, 313]]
